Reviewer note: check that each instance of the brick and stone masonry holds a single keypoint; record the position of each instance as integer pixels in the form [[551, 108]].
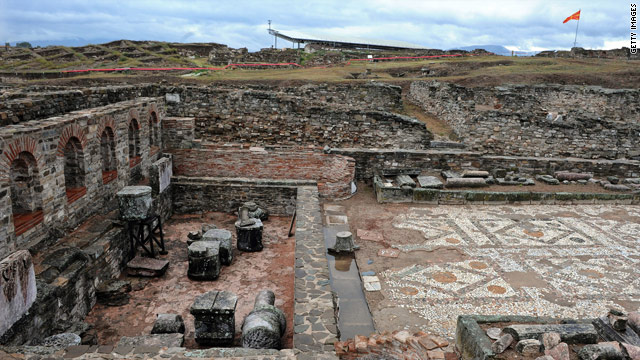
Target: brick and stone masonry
[[71, 166], [333, 173]]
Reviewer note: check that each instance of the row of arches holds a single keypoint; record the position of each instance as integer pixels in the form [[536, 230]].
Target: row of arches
[[25, 181]]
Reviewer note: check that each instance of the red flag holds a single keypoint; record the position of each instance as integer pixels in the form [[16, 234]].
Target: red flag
[[575, 16]]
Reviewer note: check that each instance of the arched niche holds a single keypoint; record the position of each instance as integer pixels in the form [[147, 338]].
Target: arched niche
[[26, 192], [108, 155], [74, 171], [134, 142]]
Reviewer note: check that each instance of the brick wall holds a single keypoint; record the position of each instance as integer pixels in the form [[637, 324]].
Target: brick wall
[[45, 141], [333, 173]]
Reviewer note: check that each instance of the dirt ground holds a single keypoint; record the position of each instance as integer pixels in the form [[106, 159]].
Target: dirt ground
[[272, 268]]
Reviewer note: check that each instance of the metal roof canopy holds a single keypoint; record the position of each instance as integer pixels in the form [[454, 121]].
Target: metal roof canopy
[[375, 44]]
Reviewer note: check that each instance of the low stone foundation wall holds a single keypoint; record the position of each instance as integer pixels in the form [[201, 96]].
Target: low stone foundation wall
[[479, 197], [332, 173], [369, 162], [198, 194]]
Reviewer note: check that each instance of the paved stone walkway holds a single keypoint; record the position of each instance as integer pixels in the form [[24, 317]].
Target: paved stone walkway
[[561, 261]]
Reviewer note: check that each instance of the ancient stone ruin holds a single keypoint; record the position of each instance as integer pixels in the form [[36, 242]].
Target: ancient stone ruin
[[185, 219]]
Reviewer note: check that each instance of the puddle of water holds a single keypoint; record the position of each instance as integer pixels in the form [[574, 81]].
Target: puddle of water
[[354, 317]]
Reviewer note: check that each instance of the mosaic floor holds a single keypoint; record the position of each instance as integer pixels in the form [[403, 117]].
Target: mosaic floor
[[561, 261]]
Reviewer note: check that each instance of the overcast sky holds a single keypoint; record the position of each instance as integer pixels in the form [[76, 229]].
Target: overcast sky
[[523, 24]]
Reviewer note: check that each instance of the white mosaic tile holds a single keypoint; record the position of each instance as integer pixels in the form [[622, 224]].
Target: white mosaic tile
[[583, 261]]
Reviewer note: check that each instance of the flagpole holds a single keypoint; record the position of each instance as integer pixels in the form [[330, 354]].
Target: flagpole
[[577, 24]]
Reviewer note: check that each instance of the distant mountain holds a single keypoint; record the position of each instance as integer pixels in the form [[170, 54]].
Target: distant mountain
[[496, 49], [66, 42]]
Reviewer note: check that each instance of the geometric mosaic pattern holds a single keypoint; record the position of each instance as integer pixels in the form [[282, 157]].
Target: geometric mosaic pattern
[[563, 261]]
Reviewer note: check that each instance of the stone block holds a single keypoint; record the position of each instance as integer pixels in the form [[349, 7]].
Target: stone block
[[62, 341], [17, 288], [225, 239], [113, 293], [528, 347], [147, 267], [168, 324], [618, 187], [135, 202], [405, 181], [255, 212], [214, 313], [204, 260], [249, 236], [475, 174], [430, 182], [465, 182], [168, 340], [571, 176]]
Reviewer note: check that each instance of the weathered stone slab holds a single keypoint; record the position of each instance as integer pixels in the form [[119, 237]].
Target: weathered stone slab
[[17, 288], [135, 202], [226, 243], [161, 340], [548, 179], [404, 181], [618, 187], [62, 341], [475, 174], [607, 332], [569, 333], [147, 267], [446, 174], [113, 293], [430, 182], [465, 182], [600, 351], [571, 176], [168, 324]]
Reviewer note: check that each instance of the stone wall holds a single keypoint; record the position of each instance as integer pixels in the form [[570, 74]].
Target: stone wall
[[40, 102], [370, 162], [59, 149], [68, 275], [333, 173], [178, 132], [542, 120], [17, 288], [333, 115], [198, 194]]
